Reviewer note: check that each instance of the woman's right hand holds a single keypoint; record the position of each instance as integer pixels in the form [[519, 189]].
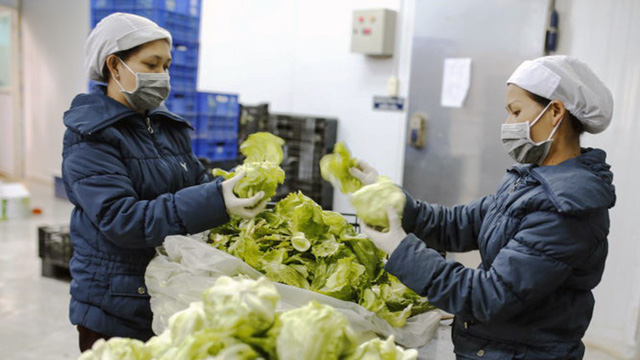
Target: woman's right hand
[[243, 207], [365, 173]]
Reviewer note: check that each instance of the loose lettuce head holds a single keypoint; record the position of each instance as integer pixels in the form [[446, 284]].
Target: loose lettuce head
[[241, 307], [378, 349], [263, 146], [334, 168], [259, 176], [262, 169], [304, 215], [186, 322], [117, 348], [313, 332], [372, 201]]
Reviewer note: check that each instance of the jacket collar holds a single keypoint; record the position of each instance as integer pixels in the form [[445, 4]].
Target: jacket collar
[[96, 111], [579, 184]]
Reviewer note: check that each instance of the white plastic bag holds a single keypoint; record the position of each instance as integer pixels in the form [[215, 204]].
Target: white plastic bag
[[185, 266]]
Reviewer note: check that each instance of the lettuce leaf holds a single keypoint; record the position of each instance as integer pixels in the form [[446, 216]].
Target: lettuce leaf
[[334, 168], [263, 146]]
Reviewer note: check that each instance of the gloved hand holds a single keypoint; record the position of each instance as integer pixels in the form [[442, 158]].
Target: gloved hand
[[246, 208], [364, 172], [386, 241]]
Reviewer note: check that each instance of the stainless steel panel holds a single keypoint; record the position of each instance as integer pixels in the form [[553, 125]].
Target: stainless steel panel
[[463, 158]]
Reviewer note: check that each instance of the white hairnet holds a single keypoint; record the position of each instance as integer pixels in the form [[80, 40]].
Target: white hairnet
[[571, 81], [118, 32]]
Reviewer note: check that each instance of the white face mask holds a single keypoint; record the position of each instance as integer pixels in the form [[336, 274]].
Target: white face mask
[[516, 139], [150, 91]]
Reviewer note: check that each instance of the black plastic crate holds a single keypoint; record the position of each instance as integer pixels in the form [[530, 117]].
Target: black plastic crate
[[253, 119], [54, 245]]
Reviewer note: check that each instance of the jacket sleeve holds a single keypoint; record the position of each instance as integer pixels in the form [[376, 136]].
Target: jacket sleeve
[[453, 229], [99, 184], [533, 264], [204, 176]]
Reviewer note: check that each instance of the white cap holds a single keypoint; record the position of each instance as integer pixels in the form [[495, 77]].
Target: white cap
[[118, 32], [571, 81]]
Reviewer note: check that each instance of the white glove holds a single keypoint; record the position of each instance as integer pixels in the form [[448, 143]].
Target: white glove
[[386, 241], [243, 207], [364, 172]]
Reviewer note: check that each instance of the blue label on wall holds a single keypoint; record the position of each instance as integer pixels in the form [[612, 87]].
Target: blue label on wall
[[388, 103]]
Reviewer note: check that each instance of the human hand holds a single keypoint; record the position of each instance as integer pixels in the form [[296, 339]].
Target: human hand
[[386, 241], [364, 172], [243, 207]]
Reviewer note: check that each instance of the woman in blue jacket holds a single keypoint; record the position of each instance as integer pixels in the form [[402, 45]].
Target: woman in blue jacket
[[542, 236], [129, 170]]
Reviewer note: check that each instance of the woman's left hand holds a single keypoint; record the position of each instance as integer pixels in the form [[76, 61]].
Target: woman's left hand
[[386, 241], [246, 208]]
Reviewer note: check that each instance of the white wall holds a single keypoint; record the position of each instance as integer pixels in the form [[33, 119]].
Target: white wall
[[296, 56], [605, 35], [53, 34]]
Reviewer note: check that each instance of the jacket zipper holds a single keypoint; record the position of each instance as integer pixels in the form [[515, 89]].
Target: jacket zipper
[[513, 188], [515, 185], [149, 128]]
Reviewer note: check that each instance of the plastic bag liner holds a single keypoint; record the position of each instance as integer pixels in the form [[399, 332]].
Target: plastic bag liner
[[185, 266]]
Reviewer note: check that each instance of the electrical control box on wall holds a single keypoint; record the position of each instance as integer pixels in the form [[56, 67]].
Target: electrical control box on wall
[[373, 32]]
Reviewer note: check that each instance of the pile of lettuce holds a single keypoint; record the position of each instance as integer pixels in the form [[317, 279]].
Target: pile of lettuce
[[236, 319], [263, 156], [299, 244]]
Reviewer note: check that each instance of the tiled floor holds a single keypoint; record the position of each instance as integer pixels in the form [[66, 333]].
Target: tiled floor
[[33, 309]]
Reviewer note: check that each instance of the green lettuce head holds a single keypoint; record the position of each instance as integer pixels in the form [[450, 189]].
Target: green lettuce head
[[378, 349], [313, 332], [262, 169], [263, 146], [334, 168], [117, 348], [240, 307], [372, 201]]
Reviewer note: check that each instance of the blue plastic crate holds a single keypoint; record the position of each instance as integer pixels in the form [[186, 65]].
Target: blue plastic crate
[[183, 28], [215, 150], [101, 4], [216, 128], [218, 104], [185, 56], [189, 7], [99, 14], [183, 79], [182, 103]]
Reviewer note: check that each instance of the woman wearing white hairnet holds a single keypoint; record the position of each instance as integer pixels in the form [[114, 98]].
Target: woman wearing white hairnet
[[129, 170], [542, 236]]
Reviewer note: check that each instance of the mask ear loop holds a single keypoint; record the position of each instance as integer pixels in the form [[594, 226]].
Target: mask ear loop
[[541, 113], [118, 82]]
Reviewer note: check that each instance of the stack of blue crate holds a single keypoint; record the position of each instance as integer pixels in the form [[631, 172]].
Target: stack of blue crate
[[215, 138]]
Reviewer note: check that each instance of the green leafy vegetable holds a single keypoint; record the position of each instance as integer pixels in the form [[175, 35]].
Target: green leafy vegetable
[[372, 201], [240, 307], [335, 169], [237, 321], [378, 349], [262, 169], [299, 244], [263, 146], [313, 332], [117, 348]]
